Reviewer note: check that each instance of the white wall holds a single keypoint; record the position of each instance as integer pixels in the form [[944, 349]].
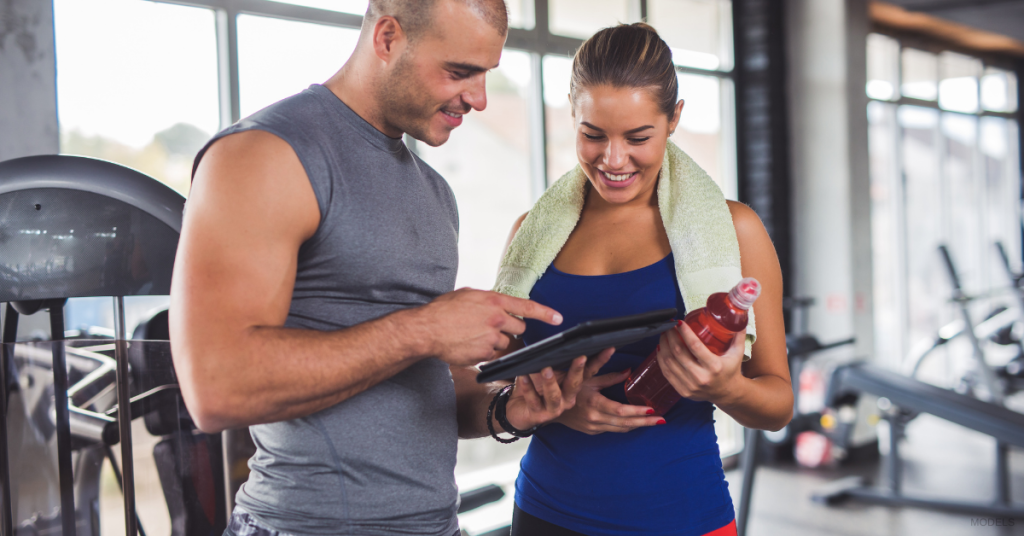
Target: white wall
[[831, 204], [28, 94]]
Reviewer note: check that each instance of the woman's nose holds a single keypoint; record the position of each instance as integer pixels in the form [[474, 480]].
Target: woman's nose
[[615, 155]]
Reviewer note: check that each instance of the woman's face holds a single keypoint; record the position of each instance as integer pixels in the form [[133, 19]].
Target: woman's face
[[620, 140]]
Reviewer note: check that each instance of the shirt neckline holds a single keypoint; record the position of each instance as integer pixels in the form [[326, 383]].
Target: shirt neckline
[[642, 269], [362, 126]]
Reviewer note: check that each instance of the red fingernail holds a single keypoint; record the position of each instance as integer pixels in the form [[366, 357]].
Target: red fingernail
[[650, 411], [660, 421]]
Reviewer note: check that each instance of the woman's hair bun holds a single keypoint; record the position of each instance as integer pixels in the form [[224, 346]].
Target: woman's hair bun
[[627, 56]]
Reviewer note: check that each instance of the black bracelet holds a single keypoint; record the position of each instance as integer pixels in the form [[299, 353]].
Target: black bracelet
[[490, 413], [502, 418]]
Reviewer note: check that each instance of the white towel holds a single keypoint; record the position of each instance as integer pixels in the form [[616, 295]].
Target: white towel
[[693, 210]]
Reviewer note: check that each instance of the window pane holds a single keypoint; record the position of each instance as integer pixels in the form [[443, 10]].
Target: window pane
[[920, 72], [927, 304], [883, 67], [487, 163], [561, 132], [355, 7], [885, 234], [520, 14], [700, 132], [958, 88], [999, 90], [699, 31], [279, 58], [998, 140], [581, 18], [131, 90]]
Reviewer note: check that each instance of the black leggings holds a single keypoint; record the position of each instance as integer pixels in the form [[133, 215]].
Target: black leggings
[[524, 524]]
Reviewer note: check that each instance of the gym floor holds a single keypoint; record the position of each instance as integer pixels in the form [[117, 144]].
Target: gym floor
[[940, 460]]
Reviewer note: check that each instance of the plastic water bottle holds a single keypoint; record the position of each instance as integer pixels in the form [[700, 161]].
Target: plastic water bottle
[[715, 325]]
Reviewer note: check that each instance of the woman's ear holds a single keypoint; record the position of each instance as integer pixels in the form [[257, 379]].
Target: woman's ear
[[674, 120]]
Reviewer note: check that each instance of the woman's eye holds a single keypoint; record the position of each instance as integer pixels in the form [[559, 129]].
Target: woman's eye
[[639, 140], [591, 137]]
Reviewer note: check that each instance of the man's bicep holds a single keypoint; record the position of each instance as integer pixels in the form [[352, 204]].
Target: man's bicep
[[250, 208]]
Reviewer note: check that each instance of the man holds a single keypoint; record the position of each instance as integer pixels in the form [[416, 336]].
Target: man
[[312, 295]]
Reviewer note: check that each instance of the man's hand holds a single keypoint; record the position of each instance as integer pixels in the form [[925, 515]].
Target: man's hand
[[595, 413], [465, 327], [546, 395], [695, 371]]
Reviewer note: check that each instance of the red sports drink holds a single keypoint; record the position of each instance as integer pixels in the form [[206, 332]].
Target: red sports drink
[[716, 324]]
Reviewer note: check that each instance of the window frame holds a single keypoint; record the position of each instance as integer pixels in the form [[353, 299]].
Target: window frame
[[538, 42]]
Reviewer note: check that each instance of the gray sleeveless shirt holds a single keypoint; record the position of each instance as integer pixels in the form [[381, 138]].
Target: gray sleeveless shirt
[[381, 462]]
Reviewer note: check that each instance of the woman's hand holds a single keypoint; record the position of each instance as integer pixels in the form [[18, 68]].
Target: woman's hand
[[595, 413], [546, 395], [695, 371]]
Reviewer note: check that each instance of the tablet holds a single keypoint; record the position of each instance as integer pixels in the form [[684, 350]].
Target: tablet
[[587, 338]]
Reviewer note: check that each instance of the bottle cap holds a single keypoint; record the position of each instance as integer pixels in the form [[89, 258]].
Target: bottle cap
[[745, 292]]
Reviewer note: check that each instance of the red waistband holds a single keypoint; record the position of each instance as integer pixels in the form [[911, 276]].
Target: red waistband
[[728, 530]]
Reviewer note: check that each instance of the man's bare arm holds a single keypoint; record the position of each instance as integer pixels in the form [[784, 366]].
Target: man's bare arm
[[250, 210]]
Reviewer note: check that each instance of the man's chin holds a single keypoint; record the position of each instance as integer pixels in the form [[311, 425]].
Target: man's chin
[[433, 139]]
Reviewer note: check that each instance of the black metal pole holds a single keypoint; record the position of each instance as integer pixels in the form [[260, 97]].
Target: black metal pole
[[751, 446], [10, 335], [109, 453], [60, 402], [124, 418], [1002, 474]]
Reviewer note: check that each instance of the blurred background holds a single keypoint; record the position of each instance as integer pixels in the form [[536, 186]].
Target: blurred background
[[864, 134]]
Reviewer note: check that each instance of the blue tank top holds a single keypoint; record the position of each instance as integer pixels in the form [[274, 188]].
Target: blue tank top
[[659, 480]]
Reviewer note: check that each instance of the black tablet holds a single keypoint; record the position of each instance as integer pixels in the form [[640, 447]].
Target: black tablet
[[587, 338]]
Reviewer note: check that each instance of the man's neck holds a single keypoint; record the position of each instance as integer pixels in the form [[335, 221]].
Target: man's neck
[[355, 85]]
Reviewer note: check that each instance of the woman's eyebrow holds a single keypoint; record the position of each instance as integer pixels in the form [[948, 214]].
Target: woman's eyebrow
[[631, 131]]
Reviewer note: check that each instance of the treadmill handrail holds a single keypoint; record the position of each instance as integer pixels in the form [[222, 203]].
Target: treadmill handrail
[[990, 419]]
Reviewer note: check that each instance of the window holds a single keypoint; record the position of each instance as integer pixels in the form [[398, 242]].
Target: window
[[278, 58], [131, 90], [944, 171]]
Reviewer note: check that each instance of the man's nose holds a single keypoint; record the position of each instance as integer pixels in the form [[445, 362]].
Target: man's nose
[[476, 95]]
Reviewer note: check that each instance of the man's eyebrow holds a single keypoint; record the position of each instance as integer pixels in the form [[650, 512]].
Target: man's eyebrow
[[631, 131], [467, 67]]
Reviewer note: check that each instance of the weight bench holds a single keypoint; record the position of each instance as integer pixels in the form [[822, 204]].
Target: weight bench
[[910, 398]]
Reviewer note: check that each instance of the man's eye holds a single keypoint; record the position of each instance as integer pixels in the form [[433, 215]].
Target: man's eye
[[460, 75], [591, 137]]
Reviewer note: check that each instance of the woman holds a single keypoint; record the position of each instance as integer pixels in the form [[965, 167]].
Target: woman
[[629, 235]]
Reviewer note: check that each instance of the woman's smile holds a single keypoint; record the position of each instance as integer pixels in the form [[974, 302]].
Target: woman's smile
[[618, 180]]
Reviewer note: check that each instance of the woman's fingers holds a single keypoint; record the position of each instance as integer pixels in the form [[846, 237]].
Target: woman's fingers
[[594, 365], [617, 415], [608, 380]]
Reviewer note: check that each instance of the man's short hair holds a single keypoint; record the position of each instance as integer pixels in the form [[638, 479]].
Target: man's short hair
[[415, 15]]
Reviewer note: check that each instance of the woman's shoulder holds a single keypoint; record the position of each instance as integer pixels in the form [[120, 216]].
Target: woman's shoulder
[[744, 219], [515, 229]]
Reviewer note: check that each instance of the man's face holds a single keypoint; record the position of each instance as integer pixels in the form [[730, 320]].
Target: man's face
[[440, 77]]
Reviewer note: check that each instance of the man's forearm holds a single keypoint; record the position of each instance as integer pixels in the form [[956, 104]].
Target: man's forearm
[[295, 372]]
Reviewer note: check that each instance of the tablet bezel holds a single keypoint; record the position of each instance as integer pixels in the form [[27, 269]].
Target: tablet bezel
[[534, 357]]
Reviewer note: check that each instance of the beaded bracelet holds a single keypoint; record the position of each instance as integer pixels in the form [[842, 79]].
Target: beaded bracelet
[[501, 400], [490, 413]]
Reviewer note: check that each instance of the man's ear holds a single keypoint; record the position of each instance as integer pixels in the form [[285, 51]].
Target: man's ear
[[388, 38]]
